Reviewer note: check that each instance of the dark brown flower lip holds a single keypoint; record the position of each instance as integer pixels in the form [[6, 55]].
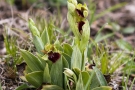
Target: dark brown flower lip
[[80, 25], [53, 56], [91, 66], [79, 12]]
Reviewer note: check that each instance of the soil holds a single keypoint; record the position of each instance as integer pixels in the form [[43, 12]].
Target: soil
[[16, 16]]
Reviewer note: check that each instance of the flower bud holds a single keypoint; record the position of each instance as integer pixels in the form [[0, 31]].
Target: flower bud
[[35, 31], [85, 6], [71, 7], [49, 48], [73, 2], [68, 72], [33, 28], [31, 21], [82, 10]]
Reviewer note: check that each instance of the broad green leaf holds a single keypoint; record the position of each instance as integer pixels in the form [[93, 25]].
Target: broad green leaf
[[65, 62], [50, 63], [43, 62], [23, 78], [77, 72], [124, 45], [94, 81], [79, 85], [35, 78], [65, 65], [51, 87], [128, 30], [32, 61], [38, 44], [27, 70], [67, 58], [46, 76], [67, 49], [67, 53], [76, 59], [100, 77], [23, 87], [103, 88], [57, 73], [85, 79], [45, 36]]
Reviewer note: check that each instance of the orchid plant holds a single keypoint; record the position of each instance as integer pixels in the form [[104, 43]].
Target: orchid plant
[[57, 66]]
